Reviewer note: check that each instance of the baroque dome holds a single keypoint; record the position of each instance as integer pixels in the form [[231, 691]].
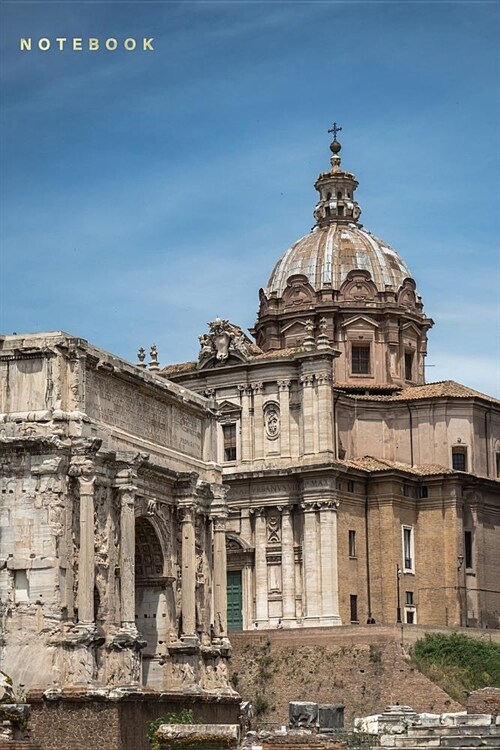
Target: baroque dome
[[327, 254]]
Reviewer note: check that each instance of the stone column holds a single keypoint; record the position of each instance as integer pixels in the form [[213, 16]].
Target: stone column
[[325, 411], [220, 577], [308, 422], [261, 602], [246, 432], [219, 513], [188, 568], [258, 418], [82, 640], [329, 568], [86, 562], [284, 391], [288, 565], [127, 555], [311, 565]]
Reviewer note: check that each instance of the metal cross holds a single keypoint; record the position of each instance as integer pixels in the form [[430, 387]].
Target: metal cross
[[336, 129]]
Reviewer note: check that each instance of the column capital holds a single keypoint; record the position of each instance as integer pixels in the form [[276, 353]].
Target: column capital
[[284, 385], [260, 511], [257, 388], [82, 468], [309, 506], [324, 378], [307, 379], [188, 512], [186, 485], [329, 504], [245, 389], [209, 393], [219, 523]]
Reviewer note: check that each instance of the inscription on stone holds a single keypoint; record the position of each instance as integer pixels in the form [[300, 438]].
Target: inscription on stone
[[119, 404]]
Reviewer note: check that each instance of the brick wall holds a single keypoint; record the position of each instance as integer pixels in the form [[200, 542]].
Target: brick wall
[[115, 725], [314, 742], [485, 701], [363, 668]]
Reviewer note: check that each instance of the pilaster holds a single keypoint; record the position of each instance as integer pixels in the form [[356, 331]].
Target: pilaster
[[288, 564], [261, 603], [308, 426], [258, 396], [284, 396]]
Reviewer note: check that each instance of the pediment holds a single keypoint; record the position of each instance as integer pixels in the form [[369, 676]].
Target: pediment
[[359, 321], [227, 407], [406, 294], [358, 286], [298, 291]]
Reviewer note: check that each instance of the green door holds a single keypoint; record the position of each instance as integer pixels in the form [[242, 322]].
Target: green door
[[234, 600]]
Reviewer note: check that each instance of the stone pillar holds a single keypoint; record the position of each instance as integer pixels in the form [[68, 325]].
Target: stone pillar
[[329, 567], [220, 577], [86, 562], [261, 603], [79, 646], [219, 513], [246, 431], [308, 422], [258, 420], [311, 593], [287, 565], [284, 391], [127, 555], [325, 411], [188, 568]]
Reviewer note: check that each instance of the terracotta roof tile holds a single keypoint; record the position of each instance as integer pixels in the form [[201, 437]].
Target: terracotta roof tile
[[444, 388], [372, 464]]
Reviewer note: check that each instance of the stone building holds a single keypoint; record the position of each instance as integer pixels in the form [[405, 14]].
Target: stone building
[[112, 523], [357, 491]]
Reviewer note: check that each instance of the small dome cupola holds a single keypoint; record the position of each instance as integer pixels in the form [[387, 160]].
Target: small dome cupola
[[336, 189]]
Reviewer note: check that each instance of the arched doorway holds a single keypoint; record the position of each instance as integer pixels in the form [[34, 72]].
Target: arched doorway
[[151, 607]]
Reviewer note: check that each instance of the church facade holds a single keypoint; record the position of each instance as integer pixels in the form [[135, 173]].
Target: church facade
[[358, 493]]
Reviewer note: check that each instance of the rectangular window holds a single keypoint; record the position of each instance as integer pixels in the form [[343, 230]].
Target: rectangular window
[[21, 586], [229, 433], [498, 465], [408, 554], [360, 360], [354, 608], [468, 549], [410, 616], [408, 365], [423, 491], [352, 543], [350, 486], [406, 490], [459, 459], [409, 598]]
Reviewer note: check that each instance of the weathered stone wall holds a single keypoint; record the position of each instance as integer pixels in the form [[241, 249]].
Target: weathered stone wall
[[313, 742], [485, 701], [362, 668], [122, 725]]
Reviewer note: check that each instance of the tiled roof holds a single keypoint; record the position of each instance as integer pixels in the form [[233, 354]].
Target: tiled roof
[[444, 388], [369, 463], [176, 369]]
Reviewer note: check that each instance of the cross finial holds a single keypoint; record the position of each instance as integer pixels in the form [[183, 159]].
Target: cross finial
[[335, 129]]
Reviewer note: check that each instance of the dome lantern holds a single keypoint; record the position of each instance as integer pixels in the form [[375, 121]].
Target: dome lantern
[[336, 189]]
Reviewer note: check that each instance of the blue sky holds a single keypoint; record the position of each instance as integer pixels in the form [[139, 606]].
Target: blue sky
[[145, 193]]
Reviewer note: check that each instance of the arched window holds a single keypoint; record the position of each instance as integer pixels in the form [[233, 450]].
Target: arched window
[[339, 195]]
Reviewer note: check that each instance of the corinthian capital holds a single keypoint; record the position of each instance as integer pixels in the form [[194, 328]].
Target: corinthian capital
[[307, 380]]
